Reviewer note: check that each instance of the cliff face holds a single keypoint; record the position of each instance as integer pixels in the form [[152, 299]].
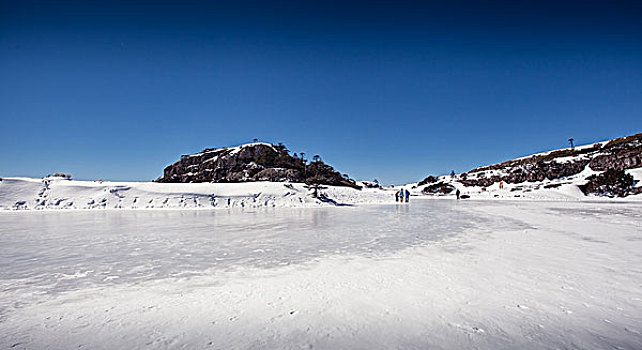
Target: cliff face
[[251, 162]]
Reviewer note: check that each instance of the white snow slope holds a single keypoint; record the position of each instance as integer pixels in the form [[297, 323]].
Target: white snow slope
[[431, 274], [59, 193]]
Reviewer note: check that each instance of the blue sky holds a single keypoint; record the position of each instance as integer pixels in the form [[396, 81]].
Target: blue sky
[[391, 90]]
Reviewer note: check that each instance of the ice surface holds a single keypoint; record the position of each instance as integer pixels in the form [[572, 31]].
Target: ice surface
[[428, 274], [98, 246]]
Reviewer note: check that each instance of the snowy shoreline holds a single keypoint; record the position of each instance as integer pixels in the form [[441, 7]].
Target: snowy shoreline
[[58, 193]]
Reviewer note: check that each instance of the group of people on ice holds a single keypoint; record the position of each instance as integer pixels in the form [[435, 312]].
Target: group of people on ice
[[401, 194], [404, 196]]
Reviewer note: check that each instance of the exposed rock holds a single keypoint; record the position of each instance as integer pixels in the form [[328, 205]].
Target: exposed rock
[[428, 180], [439, 188], [552, 186], [251, 162], [623, 153], [371, 184], [624, 160], [611, 183]]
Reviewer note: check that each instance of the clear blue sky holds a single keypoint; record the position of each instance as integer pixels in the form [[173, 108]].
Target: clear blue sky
[[391, 90]]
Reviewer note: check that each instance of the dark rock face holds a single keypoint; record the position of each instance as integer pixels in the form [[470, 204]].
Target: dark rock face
[[428, 180], [482, 182], [439, 188], [529, 172], [253, 162], [610, 183], [370, 184], [624, 153], [621, 154], [623, 160]]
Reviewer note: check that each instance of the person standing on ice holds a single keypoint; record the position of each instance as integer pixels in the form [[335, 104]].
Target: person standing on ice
[[457, 193], [407, 196], [397, 196]]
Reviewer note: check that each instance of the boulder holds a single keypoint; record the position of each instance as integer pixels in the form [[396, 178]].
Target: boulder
[[439, 188]]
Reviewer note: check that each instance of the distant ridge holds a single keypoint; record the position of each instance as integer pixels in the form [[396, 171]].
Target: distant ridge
[[597, 169]]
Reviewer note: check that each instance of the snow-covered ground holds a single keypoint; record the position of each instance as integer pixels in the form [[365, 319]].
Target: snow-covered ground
[[562, 189], [436, 274], [59, 193]]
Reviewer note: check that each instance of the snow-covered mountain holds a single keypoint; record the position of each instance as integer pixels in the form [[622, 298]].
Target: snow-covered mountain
[[604, 169]]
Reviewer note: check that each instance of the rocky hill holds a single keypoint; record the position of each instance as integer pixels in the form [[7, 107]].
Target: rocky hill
[[253, 162], [597, 169]]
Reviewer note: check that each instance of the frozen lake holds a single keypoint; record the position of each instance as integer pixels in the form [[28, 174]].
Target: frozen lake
[[431, 273], [65, 250]]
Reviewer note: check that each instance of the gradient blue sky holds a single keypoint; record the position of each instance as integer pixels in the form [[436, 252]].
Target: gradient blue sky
[[391, 90]]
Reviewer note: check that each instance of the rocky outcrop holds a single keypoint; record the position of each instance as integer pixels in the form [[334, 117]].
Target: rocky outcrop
[[439, 188], [611, 183], [428, 180], [619, 154], [371, 184], [252, 162], [539, 171], [627, 160]]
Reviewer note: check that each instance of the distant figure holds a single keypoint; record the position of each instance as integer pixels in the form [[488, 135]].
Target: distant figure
[[501, 185], [397, 196], [407, 196], [457, 193]]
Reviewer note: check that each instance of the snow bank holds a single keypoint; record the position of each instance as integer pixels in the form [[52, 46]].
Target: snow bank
[[58, 193]]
